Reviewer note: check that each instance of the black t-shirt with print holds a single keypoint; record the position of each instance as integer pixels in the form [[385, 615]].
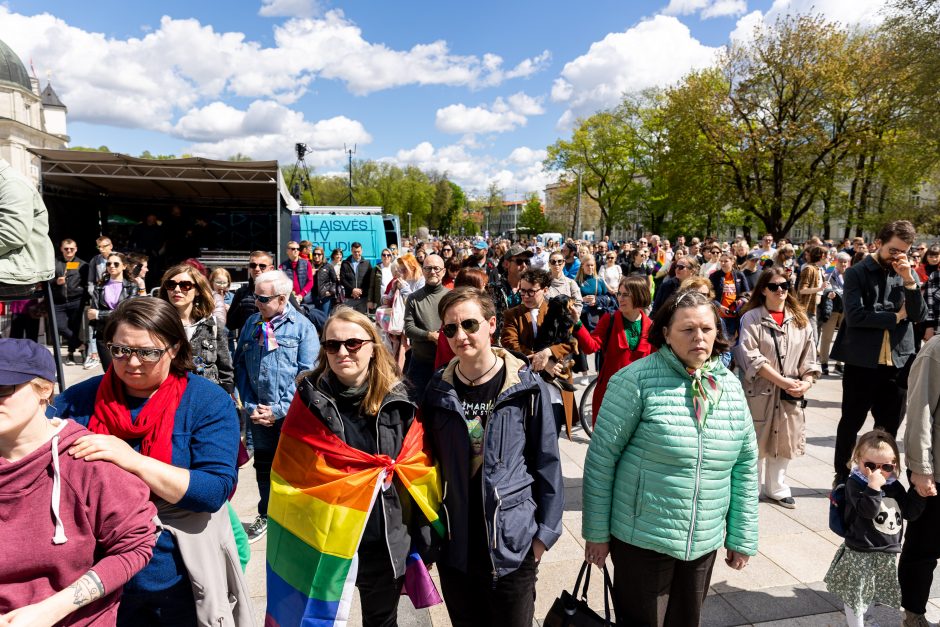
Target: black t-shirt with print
[[478, 403]]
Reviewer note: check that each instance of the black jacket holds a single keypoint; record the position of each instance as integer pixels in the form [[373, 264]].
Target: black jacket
[[403, 524], [242, 307], [211, 355], [874, 518], [76, 281], [325, 283], [871, 298], [129, 289], [361, 279], [741, 285], [523, 493]]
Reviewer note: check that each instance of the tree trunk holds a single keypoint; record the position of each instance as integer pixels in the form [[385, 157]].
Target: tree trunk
[[853, 192], [827, 213]]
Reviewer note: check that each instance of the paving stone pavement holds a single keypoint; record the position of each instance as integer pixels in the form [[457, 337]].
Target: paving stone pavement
[[781, 586]]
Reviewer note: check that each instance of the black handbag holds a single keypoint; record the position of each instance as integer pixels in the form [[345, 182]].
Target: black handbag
[[798, 400], [569, 610]]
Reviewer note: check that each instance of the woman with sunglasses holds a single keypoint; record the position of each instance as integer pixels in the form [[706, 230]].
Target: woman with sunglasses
[[67, 551], [178, 433], [190, 294], [356, 391], [113, 289], [494, 433], [777, 354], [683, 267], [382, 274], [561, 285], [610, 272]]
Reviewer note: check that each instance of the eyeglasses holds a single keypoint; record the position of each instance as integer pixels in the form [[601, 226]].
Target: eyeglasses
[[557, 262], [894, 252], [529, 293], [872, 466], [777, 287], [113, 264], [149, 355], [265, 299], [386, 254], [681, 266], [352, 345], [317, 254], [170, 285], [623, 295], [260, 266], [470, 326], [7, 390], [293, 248], [434, 269]]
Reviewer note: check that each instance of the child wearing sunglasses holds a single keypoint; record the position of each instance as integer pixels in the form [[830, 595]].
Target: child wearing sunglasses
[[864, 570]]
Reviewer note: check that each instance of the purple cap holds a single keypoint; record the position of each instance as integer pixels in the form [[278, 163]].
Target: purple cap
[[24, 360]]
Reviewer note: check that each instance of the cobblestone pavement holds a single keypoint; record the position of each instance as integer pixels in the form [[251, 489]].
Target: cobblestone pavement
[[781, 586]]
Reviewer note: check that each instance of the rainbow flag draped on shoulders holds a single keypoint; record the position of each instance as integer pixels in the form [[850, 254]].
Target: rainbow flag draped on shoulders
[[322, 491]]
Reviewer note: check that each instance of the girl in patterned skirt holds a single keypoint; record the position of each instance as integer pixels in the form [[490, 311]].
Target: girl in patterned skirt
[[864, 569]]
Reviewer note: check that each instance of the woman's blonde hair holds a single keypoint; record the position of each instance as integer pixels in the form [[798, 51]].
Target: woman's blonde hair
[[581, 276], [383, 371], [697, 282], [204, 302], [409, 263]]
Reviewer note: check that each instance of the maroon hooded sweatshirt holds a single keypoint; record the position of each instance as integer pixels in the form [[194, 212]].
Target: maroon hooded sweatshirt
[[61, 517]]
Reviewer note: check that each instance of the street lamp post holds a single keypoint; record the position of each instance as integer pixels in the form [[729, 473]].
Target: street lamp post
[[409, 225]]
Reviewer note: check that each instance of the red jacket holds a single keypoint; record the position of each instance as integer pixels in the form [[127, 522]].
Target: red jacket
[[617, 353]]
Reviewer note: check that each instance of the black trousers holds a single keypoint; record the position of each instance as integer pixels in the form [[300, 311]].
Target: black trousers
[[69, 320], [656, 590], [919, 557], [173, 607], [379, 592], [24, 326], [265, 441], [473, 599], [881, 390]]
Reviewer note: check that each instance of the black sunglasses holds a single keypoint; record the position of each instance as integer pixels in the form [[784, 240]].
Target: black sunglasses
[[293, 248], [352, 345], [529, 292], [557, 262], [170, 285], [776, 287], [872, 466], [254, 265], [521, 262], [470, 326], [265, 299], [7, 390]]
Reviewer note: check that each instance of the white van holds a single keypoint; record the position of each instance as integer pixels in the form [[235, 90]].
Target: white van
[[543, 238]]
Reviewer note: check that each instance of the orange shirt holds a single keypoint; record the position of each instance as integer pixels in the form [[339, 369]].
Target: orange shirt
[[729, 294]]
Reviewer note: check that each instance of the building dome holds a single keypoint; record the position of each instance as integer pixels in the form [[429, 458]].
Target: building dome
[[12, 70]]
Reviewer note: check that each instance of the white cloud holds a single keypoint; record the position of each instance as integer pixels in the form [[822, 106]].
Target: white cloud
[[655, 52], [850, 13], [503, 115], [706, 8], [149, 81], [520, 173], [267, 130], [289, 8]]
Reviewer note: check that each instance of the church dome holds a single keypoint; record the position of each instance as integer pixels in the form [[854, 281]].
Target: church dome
[[12, 70]]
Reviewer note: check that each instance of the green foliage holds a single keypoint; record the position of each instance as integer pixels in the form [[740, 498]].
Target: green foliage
[[90, 149], [532, 218]]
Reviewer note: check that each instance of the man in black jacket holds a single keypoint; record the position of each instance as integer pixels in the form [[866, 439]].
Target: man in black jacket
[[881, 302], [243, 302], [355, 275], [69, 294]]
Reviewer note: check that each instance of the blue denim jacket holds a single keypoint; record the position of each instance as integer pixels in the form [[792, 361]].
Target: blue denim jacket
[[268, 377]]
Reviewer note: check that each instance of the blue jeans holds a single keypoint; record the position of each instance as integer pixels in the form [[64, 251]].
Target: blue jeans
[[265, 442]]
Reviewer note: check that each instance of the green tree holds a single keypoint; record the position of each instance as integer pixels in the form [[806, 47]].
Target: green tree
[[532, 218]]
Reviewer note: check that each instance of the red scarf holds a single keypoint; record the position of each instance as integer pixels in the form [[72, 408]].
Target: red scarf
[[154, 422]]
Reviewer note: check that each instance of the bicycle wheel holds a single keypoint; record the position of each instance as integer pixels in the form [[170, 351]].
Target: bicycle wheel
[[586, 408]]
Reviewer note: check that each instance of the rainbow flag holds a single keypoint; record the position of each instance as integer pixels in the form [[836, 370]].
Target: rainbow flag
[[322, 491], [659, 259]]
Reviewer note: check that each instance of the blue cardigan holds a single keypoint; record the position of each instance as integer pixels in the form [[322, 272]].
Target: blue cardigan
[[205, 440]]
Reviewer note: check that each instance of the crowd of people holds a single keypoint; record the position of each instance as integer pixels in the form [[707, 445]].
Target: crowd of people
[[705, 354]]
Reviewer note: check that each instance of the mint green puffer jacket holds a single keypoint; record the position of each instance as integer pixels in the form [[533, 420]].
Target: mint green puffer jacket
[[656, 479]]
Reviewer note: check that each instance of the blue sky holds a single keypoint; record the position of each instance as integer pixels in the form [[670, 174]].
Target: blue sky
[[475, 89]]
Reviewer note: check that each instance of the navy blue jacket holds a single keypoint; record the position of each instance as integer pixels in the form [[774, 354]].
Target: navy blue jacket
[[523, 492]]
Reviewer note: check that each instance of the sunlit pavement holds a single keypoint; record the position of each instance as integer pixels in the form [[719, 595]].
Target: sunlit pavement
[[782, 584]]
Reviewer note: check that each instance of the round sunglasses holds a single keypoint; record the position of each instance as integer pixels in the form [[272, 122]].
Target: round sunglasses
[[468, 325]]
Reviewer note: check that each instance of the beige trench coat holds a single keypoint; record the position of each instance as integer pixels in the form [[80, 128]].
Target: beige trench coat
[[780, 425]]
